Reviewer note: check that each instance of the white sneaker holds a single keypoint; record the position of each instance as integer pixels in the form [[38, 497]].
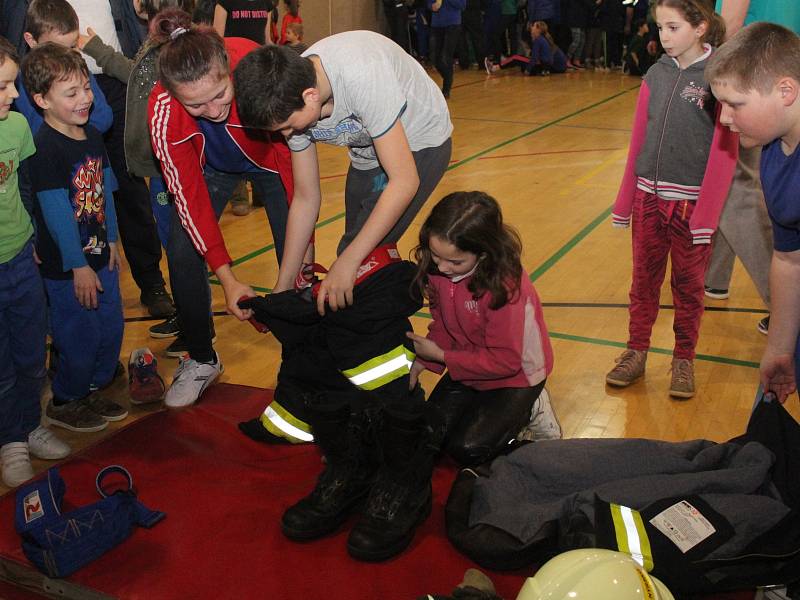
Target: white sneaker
[[544, 424], [190, 381], [44, 444], [16, 463]]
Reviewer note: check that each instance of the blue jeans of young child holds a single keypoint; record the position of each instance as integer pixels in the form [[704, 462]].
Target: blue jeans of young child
[[23, 331], [88, 341], [188, 269]]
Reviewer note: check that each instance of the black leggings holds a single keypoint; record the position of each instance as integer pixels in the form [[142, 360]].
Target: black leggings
[[480, 424]]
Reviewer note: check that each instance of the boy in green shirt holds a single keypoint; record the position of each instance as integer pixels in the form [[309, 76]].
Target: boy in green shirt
[[23, 325]]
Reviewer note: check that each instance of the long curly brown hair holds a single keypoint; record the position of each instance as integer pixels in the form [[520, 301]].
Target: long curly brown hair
[[473, 222]]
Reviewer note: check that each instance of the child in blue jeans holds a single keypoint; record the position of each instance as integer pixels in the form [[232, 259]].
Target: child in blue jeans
[[23, 324], [77, 234]]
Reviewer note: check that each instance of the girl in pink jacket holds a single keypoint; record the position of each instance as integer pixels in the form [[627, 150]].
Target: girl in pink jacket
[[487, 330]]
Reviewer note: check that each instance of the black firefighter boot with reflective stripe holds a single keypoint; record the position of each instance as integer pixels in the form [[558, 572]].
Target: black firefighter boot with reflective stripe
[[346, 442], [401, 498]]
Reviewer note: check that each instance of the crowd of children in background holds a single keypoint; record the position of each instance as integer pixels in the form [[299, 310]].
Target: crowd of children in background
[[594, 34]]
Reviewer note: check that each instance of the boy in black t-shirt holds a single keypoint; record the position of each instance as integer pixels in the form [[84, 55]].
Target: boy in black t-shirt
[[77, 233]]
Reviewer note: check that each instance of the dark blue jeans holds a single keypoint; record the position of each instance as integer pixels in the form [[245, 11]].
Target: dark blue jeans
[[23, 329], [187, 268], [88, 341]]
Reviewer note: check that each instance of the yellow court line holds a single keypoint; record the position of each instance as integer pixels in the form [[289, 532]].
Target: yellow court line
[[612, 158]]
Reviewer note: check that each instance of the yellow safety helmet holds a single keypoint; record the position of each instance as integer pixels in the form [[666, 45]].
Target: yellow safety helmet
[[593, 574]]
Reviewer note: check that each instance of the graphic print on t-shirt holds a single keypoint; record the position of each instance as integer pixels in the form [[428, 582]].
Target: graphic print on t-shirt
[[88, 202], [347, 132]]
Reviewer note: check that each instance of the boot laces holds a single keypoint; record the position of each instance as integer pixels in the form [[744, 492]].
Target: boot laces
[[682, 371], [628, 362], [386, 499]]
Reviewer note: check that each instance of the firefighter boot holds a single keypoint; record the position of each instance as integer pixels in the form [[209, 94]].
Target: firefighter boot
[[400, 499], [344, 439]]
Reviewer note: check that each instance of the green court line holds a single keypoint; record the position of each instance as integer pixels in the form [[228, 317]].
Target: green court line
[[539, 128], [601, 342], [574, 241]]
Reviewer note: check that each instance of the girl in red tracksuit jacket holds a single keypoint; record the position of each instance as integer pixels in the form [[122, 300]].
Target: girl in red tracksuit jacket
[[487, 330]]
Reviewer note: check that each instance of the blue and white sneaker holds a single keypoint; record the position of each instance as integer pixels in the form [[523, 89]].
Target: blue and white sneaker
[[191, 380]]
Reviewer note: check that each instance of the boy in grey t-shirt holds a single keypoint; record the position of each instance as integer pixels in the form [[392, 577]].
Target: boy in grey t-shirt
[[361, 90]]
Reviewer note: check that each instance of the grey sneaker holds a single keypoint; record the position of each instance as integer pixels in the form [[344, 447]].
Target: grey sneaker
[[105, 408], [191, 380], [682, 384], [630, 367], [44, 444], [16, 463], [75, 416], [544, 423]]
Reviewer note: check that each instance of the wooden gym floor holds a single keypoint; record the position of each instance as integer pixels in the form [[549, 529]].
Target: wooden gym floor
[[552, 151]]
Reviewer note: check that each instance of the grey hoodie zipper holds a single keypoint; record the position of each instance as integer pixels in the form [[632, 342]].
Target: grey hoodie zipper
[[663, 129]]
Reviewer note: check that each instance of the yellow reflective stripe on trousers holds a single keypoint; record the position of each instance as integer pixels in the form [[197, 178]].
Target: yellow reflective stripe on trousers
[[382, 369], [631, 535], [281, 423]]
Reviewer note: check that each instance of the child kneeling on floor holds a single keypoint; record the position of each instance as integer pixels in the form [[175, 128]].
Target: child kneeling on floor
[[487, 330], [76, 242]]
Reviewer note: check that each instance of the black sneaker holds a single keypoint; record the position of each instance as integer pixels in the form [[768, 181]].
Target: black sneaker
[[178, 348], [717, 293], [104, 408], [763, 325], [158, 302], [75, 416], [167, 329]]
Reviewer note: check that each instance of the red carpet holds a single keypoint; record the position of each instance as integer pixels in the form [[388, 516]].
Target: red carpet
[[223, 495]]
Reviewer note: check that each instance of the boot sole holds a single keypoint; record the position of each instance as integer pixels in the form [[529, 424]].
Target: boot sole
[[305, 535], [402, 543], [622, 382], [298, 535]]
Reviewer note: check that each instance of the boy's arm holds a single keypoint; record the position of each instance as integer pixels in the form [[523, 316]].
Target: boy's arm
[[303, 214], [778, 362], [396, 159], [114, 64], [101, 116], [60, 221], [623, 206]]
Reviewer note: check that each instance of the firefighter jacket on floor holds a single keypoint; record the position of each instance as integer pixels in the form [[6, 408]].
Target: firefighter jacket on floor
[[702, 517], [362, 345]]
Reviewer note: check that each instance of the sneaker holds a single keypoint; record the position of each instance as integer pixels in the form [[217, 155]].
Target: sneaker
[[16, 463], [104, 408], [487, 64], [763, 325], [544, 424], [682, 384], [178, 348], [169, 328], [190, 381], [630, 367], [44, 444], [158, 302], [75, 416], [717, 293], [145, 385]]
